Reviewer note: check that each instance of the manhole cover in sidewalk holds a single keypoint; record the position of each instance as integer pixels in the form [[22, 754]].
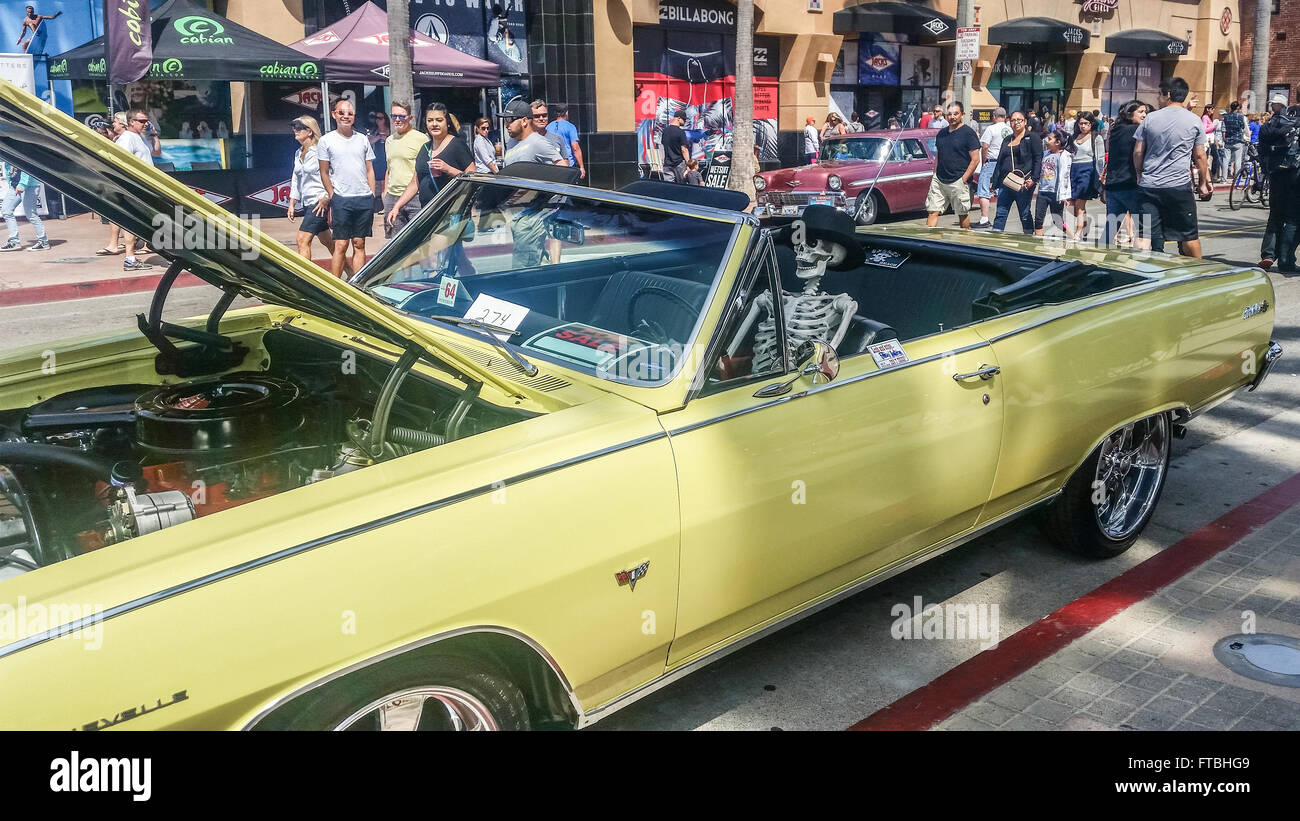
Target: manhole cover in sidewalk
[[1266, 657]]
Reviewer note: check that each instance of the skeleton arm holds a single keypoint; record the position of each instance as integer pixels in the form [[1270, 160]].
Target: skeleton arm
[[847, 308]]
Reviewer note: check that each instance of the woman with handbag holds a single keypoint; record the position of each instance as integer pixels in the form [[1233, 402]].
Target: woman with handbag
[[1020, 164], [1085, 170]]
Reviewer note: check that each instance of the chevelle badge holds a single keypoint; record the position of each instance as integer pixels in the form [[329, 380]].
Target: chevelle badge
[[888, 354], [1255, 310], [629, 578]]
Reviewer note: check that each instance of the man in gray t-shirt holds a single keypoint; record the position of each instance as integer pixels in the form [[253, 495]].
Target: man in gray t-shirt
[[531, 146], [1164, 147]]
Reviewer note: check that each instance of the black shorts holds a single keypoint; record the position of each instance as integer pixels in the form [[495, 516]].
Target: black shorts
[[352, 217], [313, 224], [1172, 213]]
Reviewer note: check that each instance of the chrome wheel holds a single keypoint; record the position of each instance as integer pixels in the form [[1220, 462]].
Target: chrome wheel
[[1130, 471], [422, 708], [866, 211]]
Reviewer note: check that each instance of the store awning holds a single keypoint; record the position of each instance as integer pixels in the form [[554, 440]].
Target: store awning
[[1040, 31], [1144, 42], [895, 18], [355, 50], [192, 43]]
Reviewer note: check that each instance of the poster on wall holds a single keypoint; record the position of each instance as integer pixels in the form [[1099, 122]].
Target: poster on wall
[[19, 69], [878, 59], [694, 71], [846, 65], [920, 65]]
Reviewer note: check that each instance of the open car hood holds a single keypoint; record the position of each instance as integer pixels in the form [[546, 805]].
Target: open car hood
[[146, 202]]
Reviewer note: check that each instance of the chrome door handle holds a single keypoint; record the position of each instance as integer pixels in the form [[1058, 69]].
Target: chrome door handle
[[985, 372]]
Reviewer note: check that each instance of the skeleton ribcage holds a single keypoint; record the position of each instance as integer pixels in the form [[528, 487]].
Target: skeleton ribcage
[[807, 316]]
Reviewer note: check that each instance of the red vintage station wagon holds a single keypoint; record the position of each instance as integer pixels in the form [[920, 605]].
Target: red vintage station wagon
[[863, 175]]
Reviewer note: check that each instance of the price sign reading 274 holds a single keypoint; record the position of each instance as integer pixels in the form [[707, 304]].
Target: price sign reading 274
[[492, 311]]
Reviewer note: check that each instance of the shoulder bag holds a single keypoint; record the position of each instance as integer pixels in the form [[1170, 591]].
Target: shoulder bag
[[1015, 180]]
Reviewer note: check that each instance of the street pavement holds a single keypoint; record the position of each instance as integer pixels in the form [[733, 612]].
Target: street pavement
[[1121, 644]]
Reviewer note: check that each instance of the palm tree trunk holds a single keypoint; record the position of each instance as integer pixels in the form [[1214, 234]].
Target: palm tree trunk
[[399, 50], [743, 165], [1258, 101]]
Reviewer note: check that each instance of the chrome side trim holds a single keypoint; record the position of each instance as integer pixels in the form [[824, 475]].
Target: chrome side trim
[[606, 710], [892, 177], [280, 701], [322, 541], [819, 388]]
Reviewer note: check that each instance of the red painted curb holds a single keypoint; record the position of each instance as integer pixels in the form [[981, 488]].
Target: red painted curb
[[91, 288], [962, 685], [112, 286]]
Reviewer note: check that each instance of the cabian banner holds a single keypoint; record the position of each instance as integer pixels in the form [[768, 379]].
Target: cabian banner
[[128, 40]]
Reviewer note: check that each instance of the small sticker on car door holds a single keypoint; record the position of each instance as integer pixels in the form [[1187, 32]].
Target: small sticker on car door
[[888, 354]]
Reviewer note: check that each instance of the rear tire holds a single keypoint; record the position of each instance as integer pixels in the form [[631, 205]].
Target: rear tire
[[1111, 497]]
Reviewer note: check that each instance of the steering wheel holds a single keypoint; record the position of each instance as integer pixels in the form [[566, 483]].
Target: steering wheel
[[654, 328]]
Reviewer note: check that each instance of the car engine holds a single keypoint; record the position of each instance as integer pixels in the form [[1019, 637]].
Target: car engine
[[101, 466]]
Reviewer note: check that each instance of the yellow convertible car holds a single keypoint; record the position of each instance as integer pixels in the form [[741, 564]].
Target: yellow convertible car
[[553, 448]]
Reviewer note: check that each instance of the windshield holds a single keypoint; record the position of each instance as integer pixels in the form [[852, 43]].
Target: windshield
[[608, 288], [860, 148]]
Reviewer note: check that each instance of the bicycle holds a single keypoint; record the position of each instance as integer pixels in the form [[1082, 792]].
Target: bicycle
[[1251, 183]]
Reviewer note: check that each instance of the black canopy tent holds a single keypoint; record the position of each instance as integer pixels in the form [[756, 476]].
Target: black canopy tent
[[1145, 42], [897, 18], [1040, 31], [192, 43]]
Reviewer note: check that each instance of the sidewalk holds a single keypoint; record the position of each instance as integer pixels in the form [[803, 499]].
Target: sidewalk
[[70, 269], [1137, 653]]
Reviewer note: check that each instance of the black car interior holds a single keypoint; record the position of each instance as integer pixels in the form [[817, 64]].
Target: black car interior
[[932, 290]]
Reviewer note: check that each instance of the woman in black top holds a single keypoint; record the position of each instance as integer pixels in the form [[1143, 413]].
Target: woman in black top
[[1119, 180], [443, 158], [1023, 151]]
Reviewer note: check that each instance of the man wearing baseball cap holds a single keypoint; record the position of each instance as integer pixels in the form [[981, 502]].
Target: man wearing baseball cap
[[677, 146], [530, 147], [811, 140]]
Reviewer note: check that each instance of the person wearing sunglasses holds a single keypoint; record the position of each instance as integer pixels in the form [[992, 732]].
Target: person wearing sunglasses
[[485, 153], [529, 146], [347, 170], [443, 158], [307, 192], [402, 147], [132, 140]]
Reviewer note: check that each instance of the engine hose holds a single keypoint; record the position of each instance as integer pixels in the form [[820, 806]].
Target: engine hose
[[43, 455], [415, 438]]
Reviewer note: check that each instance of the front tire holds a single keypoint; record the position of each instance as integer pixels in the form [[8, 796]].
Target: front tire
[[866, 209], [420, 692], [1110, 499]]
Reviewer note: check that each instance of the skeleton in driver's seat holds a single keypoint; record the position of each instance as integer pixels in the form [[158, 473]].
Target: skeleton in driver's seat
[[826, 238]]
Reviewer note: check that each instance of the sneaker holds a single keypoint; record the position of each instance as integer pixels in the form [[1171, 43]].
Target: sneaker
[[984, 222], [12, 245], [136, 266], [1266, 263], [41, 245]]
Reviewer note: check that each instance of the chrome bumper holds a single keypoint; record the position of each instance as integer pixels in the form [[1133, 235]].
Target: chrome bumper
[[792, 203], [1273, 354]]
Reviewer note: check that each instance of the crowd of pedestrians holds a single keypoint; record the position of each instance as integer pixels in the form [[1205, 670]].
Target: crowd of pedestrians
[[1148, 167]]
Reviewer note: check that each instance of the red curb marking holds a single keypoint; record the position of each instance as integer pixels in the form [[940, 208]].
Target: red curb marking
[[91, 288], [962, 685], [112, 286]]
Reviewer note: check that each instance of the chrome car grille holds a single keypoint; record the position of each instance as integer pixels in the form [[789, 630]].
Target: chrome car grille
[[784, 197]]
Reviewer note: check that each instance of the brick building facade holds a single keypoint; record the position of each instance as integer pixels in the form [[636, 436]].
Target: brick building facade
[[1283, 53]]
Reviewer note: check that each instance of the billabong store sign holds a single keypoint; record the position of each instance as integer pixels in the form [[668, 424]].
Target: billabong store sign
[[710, 15]]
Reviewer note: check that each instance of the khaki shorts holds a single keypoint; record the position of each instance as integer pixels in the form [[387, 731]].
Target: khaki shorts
[[943, 194]]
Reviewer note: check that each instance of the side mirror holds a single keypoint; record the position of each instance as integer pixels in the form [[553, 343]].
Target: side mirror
[[815, 357]]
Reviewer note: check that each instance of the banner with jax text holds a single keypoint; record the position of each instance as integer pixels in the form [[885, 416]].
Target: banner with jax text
[[128, 40]]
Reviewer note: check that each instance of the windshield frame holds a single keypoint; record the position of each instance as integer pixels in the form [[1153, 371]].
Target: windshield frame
[[853, 138], [415, 233]]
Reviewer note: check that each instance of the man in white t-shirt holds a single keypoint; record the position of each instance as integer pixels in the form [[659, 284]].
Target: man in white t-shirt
[[347, 170], [990, 146], [133, 140]]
